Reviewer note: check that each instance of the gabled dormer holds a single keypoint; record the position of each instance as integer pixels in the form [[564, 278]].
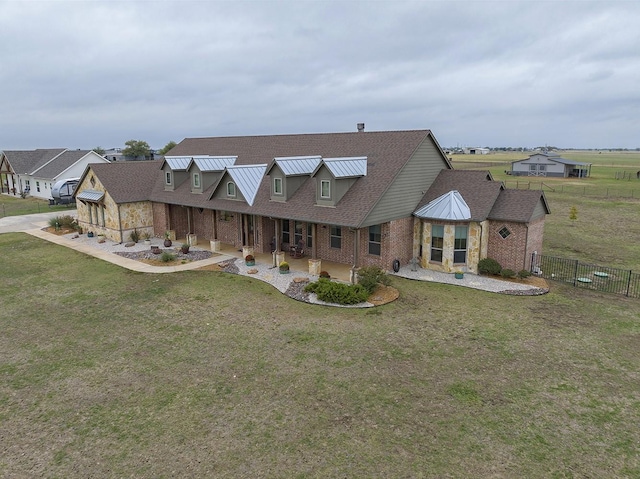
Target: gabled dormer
[[206, 171], [240, 183], [287, 174], [174, 171], [334, 177]]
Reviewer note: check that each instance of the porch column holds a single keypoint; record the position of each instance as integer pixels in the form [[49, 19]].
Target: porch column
[[314, 236], [277, 241]]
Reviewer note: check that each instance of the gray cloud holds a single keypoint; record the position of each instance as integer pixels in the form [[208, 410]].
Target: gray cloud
[[83, 74]]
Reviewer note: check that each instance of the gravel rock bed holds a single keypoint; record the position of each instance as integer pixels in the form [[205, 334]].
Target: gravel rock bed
[[192, 255]]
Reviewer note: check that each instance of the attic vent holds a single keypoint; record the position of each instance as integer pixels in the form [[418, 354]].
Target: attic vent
[[360, 126]]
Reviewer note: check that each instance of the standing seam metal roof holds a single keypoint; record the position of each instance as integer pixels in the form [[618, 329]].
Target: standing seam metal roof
[[213, 163], [346, 167], [178, 163], [450, 207], [300, 165], [247, 178]]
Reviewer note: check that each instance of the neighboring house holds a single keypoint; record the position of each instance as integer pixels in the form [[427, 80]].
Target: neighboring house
[[466, 216], [113, 154], [550, 164], [34, 172], [349, 197]]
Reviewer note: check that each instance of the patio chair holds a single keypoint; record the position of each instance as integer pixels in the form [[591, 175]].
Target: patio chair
[[297, 251]]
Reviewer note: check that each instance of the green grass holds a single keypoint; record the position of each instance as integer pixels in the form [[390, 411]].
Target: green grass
[[110, 373], [16, 206], [607, 229]]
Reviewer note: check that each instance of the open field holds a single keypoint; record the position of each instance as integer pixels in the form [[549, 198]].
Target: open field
[[607, 229], [108, 373], [16, 206]]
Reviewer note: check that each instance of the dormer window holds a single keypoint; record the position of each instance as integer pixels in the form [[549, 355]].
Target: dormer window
[[325, 189], [167, 177], [231, 189], [277, 186], [196, 180]]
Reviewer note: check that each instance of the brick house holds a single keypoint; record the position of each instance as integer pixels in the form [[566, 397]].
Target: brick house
[[466, 216], [347, 197]]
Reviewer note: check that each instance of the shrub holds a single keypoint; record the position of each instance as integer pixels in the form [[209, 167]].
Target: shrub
[[338, 293], [284, 266], [523, 273], [324, 274], [370, 276], [62, 221], [507, 273], [167, 257], [489, 266], [134, 236]]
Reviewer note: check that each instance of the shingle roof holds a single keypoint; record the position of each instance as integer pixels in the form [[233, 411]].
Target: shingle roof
[[387, 153], [486, 198], [517, 205], [126, 181], [24, 162], [61, 163], [477, 188]]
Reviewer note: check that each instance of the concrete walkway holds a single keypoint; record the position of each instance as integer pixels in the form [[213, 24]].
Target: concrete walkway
[[34, 224], [130, 264]]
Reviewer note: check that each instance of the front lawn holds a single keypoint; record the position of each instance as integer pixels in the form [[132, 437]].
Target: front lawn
[[109, 373]]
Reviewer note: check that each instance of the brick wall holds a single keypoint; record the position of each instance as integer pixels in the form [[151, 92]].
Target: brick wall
[[202, 224], [160, 219], [509, 252], [179, 220], [534, 243]]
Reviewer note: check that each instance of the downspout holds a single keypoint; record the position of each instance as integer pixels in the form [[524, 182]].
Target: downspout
[[120, 225]]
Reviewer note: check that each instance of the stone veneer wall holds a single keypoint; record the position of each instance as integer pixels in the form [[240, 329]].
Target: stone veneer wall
[[475, 247], [119, 220]]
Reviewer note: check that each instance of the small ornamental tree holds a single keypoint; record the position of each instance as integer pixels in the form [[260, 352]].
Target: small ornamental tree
[[573, 213]]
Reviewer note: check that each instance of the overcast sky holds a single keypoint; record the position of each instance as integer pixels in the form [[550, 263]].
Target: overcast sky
[[82, 74]]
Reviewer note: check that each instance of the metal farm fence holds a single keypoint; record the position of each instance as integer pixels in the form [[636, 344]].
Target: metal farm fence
[[589, 276]]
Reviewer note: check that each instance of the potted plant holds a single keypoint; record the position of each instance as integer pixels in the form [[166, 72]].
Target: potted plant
[[147, 238], [459, 274], [90, 234], [184, 247], [249, 260], [284, 267], [167, 239]]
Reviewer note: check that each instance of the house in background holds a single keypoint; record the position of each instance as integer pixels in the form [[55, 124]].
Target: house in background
[[550, 164], [351, 198], [35, 172]]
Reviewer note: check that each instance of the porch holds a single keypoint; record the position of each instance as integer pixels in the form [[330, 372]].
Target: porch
[[337, 271]]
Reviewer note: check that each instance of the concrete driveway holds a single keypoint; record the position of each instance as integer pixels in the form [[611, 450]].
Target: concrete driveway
[[11, 224]]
